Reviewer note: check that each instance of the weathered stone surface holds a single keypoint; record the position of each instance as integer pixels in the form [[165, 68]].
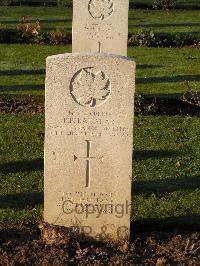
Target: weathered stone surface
[[88, 143], [100, 26]]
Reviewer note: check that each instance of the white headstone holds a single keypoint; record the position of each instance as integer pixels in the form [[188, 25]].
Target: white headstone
[[88, 143], [100, 26]]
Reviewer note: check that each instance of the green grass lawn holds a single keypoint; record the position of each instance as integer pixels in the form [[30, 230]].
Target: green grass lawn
[[22, 69], [21, 167], [166, 149], [159, 70], [165, 167], [157, 20]]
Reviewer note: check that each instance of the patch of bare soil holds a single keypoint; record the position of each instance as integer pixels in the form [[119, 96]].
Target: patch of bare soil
[[11, 105], [24, 245], [165, 106], [143, 106]]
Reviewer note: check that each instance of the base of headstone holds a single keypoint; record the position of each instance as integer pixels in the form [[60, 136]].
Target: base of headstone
[[61, 235]]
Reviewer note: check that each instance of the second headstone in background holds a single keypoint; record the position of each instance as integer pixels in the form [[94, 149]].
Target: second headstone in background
[[100, 26]]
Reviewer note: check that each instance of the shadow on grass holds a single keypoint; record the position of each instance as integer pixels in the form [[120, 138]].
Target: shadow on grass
[[134, 18], [159, 25], [22, 72], [22, 166], [180, 33], [144, 66], [188, 223], [15, 21], [165, 186], [164, 96], [20, 201], [168, 79], [148, 6], [146, 154], [21, 87]]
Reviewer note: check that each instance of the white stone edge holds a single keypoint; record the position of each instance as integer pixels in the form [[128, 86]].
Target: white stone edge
[[90, 54]]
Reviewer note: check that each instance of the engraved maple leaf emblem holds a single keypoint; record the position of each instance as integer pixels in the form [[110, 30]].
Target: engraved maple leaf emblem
[[101, 9], [90, 87]]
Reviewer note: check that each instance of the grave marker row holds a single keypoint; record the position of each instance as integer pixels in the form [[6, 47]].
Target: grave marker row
[[89, 125]]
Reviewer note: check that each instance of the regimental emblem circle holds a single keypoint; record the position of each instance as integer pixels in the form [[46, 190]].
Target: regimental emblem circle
[[90, 87], [101, 9]]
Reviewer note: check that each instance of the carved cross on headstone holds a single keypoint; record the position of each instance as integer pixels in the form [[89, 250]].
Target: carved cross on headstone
[[99, 47], [88, 158]]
